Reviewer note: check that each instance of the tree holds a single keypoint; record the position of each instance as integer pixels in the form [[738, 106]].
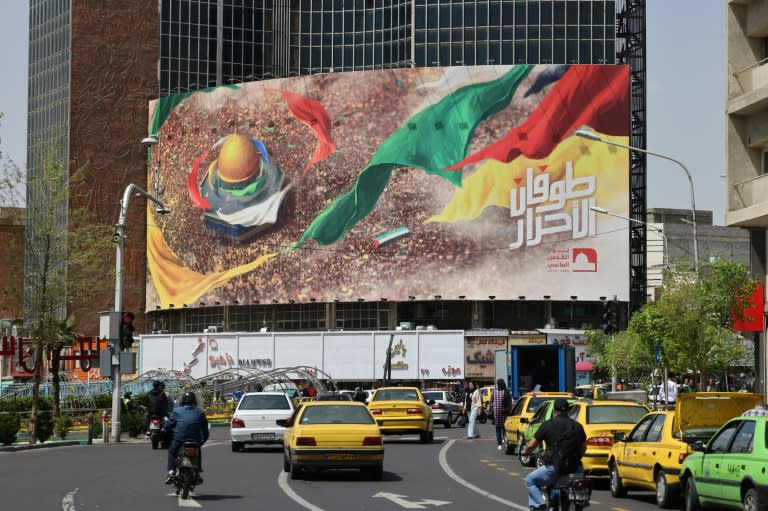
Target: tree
[[690, 325], [64, 254], [697, 317]]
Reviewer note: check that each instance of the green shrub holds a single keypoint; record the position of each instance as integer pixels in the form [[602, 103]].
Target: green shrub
[[98, 425], [134, 424], [24, 404], [44, 426], [9, 427], [103, 401], [63, 424]]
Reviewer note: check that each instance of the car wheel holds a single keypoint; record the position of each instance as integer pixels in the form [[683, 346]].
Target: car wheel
[[526, 460], [432, 435], [508, 448], [752, 500], [617, 489], [448, 420], [286, 463], [424, 437], [691, 497], [237, 446], [663, 497], [482, 419], [294, 470]]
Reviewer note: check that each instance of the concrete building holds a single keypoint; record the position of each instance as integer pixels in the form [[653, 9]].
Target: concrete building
[[674, 224], [12, 264], [747, 137]]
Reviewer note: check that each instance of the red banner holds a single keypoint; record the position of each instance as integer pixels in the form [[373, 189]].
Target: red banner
[[754, 315]]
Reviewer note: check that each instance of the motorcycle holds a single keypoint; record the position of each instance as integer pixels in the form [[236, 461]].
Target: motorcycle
[[187, 474], [570, 493], [156, 434]]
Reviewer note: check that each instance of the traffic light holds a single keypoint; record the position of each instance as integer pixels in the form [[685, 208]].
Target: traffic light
[[126, 331], [610, 323]]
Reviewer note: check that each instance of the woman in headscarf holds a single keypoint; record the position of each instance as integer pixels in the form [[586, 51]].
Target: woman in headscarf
[[501, 405]]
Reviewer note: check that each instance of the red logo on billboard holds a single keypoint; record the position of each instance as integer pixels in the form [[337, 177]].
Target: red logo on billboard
[[584, 259]]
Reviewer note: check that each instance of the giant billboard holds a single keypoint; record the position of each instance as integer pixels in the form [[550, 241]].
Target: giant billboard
[[462, 181]]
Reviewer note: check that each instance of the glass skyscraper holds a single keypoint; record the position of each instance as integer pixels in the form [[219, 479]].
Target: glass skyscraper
[[208, 43]]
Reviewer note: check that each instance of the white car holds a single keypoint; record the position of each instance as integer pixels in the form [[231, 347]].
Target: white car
[[446, 406], [254, 419]]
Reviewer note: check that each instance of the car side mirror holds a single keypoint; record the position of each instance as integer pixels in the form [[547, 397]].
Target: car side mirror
[[620, 436], [697, 446], [286, 423], [431, 402], [523, 420]]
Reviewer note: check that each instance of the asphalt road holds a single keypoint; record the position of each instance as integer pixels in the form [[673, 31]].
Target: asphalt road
[[450, 473]]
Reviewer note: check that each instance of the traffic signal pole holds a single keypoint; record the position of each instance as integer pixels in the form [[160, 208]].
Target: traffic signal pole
[[119, 239]]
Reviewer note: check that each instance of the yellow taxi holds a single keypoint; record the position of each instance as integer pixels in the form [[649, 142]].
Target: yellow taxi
[[650, 456], [593, 391], [485, 395], [601, 420], [517, 421], [332, 435], [402, 411]]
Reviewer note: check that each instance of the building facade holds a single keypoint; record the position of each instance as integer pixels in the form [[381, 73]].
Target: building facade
[[94, 67], [747, 137]]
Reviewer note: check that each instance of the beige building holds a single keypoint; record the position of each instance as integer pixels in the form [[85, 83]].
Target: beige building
[[747, 136]]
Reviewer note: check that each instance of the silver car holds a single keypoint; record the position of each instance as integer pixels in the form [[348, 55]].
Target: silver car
[[254, 419], [447, 407]]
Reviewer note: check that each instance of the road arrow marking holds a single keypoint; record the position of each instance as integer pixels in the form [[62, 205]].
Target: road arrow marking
[[400, 500], [68, 502], [190, 502]]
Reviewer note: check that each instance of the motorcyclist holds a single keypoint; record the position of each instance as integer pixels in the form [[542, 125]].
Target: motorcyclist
[[552, 432], [157, 402], [188, 424]]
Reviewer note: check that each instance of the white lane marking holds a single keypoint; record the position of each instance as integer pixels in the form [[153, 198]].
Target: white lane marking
[[447, 469], [282, 482], [401, 500], [68, 502]]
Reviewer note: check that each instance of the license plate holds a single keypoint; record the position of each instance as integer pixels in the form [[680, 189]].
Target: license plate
[[579, 496], [262, 436], [340, 456], [154, 426]]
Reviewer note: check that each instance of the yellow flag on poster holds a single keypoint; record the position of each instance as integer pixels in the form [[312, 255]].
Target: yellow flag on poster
[[491, 183]]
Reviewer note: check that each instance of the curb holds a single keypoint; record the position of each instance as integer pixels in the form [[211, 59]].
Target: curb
[[28, 447]]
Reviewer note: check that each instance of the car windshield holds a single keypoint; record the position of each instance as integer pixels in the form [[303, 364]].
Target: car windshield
[[609, 414], [437, 396], [264, 402], [535, 402], [336, 415], [396, 395]]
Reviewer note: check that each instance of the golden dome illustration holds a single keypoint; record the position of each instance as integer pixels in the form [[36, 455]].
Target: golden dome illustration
[[238, 160]]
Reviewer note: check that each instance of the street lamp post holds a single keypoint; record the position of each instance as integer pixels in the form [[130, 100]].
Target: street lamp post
[[119, 238], [594, 136], [665, 244]]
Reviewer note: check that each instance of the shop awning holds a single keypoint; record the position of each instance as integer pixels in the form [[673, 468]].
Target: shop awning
[[583, 366]]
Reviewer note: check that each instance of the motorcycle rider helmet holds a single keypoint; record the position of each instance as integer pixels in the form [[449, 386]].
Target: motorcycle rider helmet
[[189, 398], [157, 384], [561, 404]]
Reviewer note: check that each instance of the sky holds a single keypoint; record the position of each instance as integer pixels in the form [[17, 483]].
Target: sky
[[685, 102]]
